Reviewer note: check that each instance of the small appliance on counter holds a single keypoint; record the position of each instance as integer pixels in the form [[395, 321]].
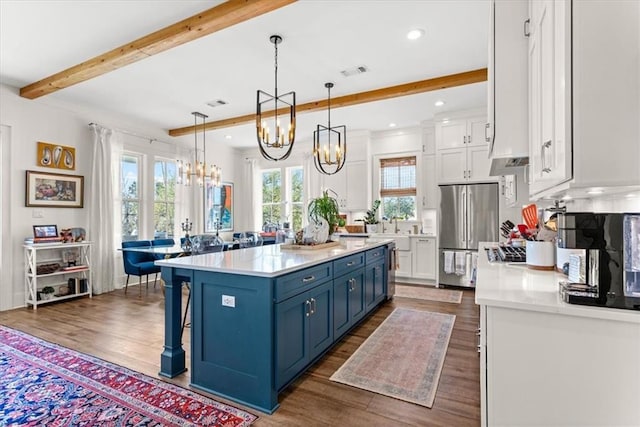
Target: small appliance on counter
[[610, 244]]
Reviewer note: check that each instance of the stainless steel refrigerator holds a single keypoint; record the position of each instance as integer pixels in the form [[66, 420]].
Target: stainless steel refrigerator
[[468, 215]]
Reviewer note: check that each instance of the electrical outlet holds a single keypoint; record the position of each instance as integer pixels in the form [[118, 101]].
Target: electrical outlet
[[228, 301], [37, 213]]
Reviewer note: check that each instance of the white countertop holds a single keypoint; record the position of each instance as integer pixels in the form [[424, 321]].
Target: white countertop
[[270, 260], [385, 235], [512, 285]]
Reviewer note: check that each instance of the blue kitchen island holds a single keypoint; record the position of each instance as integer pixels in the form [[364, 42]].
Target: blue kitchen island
[[261, 316]]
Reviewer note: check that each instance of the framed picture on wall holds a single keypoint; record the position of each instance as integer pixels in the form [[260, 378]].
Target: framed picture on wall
[[56, 156], [218, 207], [54, 190]]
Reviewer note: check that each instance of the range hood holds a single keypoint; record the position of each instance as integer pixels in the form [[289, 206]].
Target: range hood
[[507, 165]]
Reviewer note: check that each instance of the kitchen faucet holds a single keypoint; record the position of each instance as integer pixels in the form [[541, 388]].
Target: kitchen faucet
[[397, 230]]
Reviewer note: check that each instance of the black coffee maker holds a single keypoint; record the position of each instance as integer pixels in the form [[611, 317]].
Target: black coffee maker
[[611, 244]]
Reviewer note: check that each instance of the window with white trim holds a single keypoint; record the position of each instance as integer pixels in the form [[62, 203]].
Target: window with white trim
[[130, 196], [164, 178], [283, 199], [398, 187]]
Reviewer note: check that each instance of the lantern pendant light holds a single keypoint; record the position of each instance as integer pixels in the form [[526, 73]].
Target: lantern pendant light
[[329, 143], [199, 169], [276, 145]]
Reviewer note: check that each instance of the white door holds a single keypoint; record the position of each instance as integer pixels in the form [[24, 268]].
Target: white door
[[6, 256]]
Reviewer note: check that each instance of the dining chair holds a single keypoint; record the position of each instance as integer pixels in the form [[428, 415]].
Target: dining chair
[[250, 239], [138, 263], [200, 244], [163, 242]]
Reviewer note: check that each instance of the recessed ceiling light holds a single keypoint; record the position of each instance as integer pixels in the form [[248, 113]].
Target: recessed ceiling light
[[392, 125], [439, 103], [228, 136], [415, 34], [595, 191], [566, 197]]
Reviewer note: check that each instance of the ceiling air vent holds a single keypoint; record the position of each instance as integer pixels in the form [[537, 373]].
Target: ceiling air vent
[[217, 103], [355, 70]]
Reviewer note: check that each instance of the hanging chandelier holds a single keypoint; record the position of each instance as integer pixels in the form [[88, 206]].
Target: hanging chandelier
[[187, 171], [329, 143], [276, 145]]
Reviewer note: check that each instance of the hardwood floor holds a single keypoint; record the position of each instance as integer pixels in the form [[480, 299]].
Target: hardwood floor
[[128, 330]]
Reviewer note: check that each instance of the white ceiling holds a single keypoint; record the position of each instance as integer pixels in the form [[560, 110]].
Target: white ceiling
[[321, 38]]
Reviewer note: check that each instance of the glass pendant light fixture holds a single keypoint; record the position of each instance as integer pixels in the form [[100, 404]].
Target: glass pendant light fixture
[[329, 143], [276, 145], [198, 171]]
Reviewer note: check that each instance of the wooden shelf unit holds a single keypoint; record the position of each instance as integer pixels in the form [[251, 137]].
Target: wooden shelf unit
[[42, 253]]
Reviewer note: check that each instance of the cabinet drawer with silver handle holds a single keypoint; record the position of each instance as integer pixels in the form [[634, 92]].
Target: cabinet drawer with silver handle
[[374, 255], [352, 262], [301, 281]]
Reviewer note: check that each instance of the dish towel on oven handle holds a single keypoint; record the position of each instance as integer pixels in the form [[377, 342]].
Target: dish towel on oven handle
[[448, 262], [461, 263]]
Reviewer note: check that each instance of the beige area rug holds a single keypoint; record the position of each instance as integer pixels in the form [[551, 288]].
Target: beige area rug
[[428, 293], [402, 358]]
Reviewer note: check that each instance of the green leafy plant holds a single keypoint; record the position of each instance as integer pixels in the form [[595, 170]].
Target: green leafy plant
[[48, 290], [371, 216], [325, 207]]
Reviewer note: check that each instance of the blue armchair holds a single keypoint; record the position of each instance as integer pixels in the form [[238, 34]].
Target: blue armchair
[[162, 242], [138, 263]]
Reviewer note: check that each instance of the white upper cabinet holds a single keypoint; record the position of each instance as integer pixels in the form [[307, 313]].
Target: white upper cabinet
[[461, 151], [584, 96], [550, 94], [507, 109], [350, 185]]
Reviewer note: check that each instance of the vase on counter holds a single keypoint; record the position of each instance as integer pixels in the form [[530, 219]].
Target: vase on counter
[[371, 228]]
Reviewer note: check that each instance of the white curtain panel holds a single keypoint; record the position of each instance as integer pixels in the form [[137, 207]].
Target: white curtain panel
[[104, 207], [250, 202]]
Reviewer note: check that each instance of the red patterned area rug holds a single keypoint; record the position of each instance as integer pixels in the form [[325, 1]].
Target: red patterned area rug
[[44, 384], [402, 358]]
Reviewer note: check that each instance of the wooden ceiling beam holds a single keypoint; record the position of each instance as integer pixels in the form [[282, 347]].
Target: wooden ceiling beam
[[225, 15], [444, 82]]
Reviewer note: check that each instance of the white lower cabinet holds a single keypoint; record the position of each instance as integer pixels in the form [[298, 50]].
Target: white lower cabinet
[[424, 257], [404, 264], [540, 368]]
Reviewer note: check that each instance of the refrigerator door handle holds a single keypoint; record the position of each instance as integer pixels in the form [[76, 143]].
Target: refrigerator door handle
[[463, 219], [471, 220]]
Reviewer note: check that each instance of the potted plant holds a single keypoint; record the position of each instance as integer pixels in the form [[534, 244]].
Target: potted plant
[[47, 292], [371, 219], [325, 207]]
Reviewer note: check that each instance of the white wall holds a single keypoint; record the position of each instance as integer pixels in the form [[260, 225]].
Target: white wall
[[30, 121]]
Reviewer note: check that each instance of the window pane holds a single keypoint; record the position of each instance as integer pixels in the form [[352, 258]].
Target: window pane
[[130, 224], [163, 212], [129, 177], [296, 215], [271, 186], [400, 207], [297, 185]]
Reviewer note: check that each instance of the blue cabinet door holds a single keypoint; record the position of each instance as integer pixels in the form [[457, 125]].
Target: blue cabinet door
[[292, 349], [304, 329], [348, 301], [341, 291], [374, 284], [357, 308], [321, 319]]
